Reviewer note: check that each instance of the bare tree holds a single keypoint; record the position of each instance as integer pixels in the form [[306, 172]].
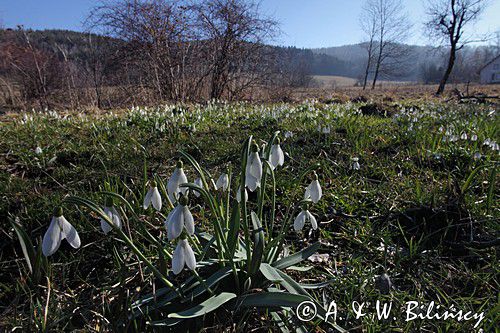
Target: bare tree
[[390, 27], [234, 32], [447, 20], [369, 25], [37, 72], [159, 36]]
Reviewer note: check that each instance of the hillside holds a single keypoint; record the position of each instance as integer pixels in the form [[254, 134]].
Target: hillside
[[346, 61]]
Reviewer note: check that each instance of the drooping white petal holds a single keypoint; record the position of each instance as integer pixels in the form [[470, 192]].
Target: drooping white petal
[[147, 198], [198, 182], [168, 223], [69, 232], [178, 258], [105, 225], [314, 191], [117, 221], [156, 199], [112, 213], [222, 182], [176, 223], [52, 238], [277, 156], [188, 220], [253, 172], [189, 257], [311, 218], [177, 178], [255, 166], [238, 195], [251, 182], [299, 222]]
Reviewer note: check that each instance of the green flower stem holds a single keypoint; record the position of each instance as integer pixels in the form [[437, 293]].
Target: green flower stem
[[94, 207], [198, 277], [244, 160]]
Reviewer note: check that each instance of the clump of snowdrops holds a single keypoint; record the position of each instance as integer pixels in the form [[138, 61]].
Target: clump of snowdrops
[[238, 264]]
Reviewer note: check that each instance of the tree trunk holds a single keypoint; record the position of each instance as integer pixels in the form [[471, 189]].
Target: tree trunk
[[449, 68], [368, 64], [379, 60]]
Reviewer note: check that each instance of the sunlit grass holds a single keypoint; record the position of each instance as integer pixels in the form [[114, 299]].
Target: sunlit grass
[[415, 163]]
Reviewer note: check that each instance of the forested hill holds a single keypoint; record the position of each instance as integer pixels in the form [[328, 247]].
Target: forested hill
[[347, 60]]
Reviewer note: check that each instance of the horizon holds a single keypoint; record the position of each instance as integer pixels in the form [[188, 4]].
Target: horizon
[[320, 24]]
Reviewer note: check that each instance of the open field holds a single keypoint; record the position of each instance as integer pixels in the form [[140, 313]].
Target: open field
[[333, 81], [408, 92], [422, 208]]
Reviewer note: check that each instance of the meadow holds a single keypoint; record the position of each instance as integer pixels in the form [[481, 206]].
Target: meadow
[[409, 212]]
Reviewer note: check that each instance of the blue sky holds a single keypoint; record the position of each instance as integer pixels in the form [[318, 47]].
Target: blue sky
[[304, 23]]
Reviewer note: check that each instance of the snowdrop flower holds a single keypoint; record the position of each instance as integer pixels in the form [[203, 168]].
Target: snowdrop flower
[[326, 130], [38, 150], [314, 191], [473, 137], [277, 156], [487, 142], [198, 182], [222, 182], [302, 218], [179, 219], [58, 230], [355, 164], [288, 134], [177, 178], [152, 197], [238, 194], [477, 155], [113, 215], [463, 136], [253, 172], [183, 256]]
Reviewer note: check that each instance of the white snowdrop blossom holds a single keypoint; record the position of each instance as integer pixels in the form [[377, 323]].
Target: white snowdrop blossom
[[288, 134], [183, 256], [253, 174], [313, 191], [177, 178], [58, 230], [222, 182], [113, 215], [198, 182], [277, 156], [463, 136], [238, 194], [487, 142], [473, 137], [355, 164], [38, 150], [152, 197], [302, 218], [178, 219], [477, 155]]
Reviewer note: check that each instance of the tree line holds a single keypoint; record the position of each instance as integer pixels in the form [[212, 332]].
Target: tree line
[[449, 23], [147, 51]]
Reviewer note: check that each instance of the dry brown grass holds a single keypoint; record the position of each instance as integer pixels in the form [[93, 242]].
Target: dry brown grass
[[394, 92]]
